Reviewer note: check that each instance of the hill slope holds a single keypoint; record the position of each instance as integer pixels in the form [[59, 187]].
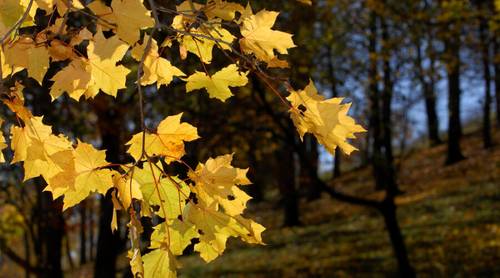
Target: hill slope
[[450, 217]]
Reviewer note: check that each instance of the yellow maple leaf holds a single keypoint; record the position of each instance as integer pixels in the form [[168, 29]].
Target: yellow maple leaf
[[40, 150], [202, 46], [6, 70], [174, 234], [159, 263], [19, 141], [105, 14], [218, 84], [215, 228], [130, 17], [156, 69], [216, 183], [15, 102], [128, 189], [105, 74], [45, 157], [168, 141], [10, 12], [24, 53], [259, 39], [169, 194], [73, 79], [326, 119], [90, 174], [222, 9], [134, 253]]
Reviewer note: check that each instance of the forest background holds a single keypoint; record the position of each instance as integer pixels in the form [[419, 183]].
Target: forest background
[[424, 79]]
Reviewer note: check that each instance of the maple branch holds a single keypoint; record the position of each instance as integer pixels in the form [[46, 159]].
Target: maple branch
[[14, 27], [140, 70], [18, 23]]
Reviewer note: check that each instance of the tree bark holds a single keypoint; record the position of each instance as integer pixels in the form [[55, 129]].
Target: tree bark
[[91, 231], [386, 117], [109, 244], [429, 96], [452, 48], [374, 102], [333, 87], [336, 163], [485, 55], [287, 187], [83, 232], [496, 53], [314, 192], [52, 230], [48, 212], [388, 210]]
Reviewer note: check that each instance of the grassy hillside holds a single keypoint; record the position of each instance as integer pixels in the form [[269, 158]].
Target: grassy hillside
[[450, 217]]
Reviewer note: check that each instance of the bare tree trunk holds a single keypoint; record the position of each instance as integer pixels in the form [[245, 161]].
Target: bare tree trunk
[[388, 210], [91, 239], [374, 94], [256, 190], [452, 47], [287, 187], [496, 53], [386, 163], [485, 55], [52, 230], [314, 192], [335, 93], [386, 118], [50, 221], [109, 244], [429, 97], [336, 163], [83, 232]]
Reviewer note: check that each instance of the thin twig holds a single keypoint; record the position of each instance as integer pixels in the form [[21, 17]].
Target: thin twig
[[18, 23]]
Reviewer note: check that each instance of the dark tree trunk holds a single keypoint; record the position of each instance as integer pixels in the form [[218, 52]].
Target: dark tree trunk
[[386, 117], [109, 244], [496, 53], [333, 87], [287, 168], [83, 232], [374, 102], [336, 163], [452, 47], [485, 55], [48, 212], [384, 164], [256, 190], [91, 231], [52, 230], [314, 192], [388, 210], [287, 187], [429, 97]]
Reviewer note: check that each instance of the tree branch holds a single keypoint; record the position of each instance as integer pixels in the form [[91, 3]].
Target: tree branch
[[13, 256]]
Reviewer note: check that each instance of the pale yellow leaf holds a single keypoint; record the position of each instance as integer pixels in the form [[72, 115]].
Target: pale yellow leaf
[[218, 84]]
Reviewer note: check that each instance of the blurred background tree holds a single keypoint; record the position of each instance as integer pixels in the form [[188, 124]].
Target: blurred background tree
[[421, 74]]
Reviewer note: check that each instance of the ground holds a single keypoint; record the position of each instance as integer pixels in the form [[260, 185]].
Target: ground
[[450, 217]]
